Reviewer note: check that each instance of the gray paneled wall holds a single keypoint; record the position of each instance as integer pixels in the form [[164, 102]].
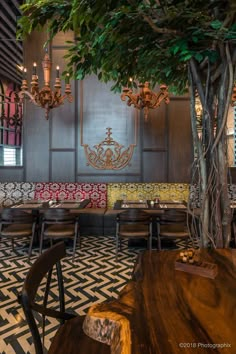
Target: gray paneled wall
[[100, 109], [180, 150], [36, 129], [54, 151]]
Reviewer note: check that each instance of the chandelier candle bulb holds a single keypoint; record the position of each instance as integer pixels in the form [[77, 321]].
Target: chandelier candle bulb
[[46, 69], [24, 85], [67, 80], [57, 72], [34, 69]]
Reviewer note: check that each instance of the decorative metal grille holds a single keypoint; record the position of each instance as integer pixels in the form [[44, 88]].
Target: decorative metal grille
[[11, 112]]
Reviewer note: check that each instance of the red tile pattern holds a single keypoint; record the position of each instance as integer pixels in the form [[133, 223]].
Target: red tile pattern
[[97, 192]]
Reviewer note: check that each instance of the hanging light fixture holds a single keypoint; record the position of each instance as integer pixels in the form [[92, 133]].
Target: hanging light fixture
[[146, 99], [45, 97]]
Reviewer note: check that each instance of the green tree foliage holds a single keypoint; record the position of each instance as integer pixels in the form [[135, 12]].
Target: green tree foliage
[[148, 40], [186, 44]]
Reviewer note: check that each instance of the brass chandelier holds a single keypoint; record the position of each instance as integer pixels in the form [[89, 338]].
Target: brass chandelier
[[45, 97], [145, 99]]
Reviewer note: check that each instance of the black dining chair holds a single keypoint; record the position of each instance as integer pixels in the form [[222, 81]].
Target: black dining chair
[[45, 277], [173, 225], [58, 224], [133, 224], [18, 224]]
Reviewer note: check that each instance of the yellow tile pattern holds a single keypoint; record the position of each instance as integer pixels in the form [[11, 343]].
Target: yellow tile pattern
[[136, 191]]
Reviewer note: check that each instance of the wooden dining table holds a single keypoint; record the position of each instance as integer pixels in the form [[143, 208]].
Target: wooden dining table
[[50, 204], [163, 310], [150, 205]]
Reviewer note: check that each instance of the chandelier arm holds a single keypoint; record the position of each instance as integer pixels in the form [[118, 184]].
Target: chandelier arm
[[33, 99], [45, 97], [159, 98], [145, 99], [132, 99]]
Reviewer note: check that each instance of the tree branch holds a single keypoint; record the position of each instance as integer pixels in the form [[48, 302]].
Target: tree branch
[[217, 73], [197, 81], [149, 20], [157, 29], [230, 85]]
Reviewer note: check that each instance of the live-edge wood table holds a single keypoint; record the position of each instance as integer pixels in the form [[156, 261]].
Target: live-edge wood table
[[167, 311]]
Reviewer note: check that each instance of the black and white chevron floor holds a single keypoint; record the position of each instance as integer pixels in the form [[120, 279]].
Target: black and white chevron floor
[[94, 276]]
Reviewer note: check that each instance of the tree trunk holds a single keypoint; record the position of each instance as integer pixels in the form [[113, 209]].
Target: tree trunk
[[211, 162]]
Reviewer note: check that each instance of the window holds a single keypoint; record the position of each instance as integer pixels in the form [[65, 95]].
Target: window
[[11, 156], [10, 129]]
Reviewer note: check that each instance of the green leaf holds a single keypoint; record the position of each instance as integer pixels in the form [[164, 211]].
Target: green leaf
[[216, 24], [115, 41], [186, 57], [175, 49], [198, 57]]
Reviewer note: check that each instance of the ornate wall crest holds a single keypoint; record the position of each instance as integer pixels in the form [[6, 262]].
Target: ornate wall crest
[[109, 154]]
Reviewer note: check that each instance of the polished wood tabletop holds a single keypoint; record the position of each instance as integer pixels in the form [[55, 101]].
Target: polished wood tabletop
[[168, 311], [51, 204], [150, 205]]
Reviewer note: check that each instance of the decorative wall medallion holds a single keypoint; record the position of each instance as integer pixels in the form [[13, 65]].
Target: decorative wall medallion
[[108, 154]]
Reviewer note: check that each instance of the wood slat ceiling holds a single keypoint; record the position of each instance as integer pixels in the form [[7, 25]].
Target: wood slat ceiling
[[11, 51]]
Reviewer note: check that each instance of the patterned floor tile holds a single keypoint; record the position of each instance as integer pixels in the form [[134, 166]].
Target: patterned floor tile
[[94, 276]]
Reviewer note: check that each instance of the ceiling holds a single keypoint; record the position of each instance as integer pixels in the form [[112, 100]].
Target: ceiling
[[11, 51]]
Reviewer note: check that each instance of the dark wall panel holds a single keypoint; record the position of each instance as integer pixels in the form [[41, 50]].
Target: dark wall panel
[[36, 144], [36, 127], [100, 109], [154, 166], [63, 117], [63, 166], [105, 178], [11, 174], [154, 129], [179, 141]]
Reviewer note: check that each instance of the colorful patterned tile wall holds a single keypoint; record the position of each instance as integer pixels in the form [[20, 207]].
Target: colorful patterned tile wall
[[97, 192], [136, 191], [102, 195], [11, 192]]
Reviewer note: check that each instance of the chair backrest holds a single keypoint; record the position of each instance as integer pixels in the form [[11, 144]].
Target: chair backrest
[[173, 216], [13, 215], [134, 216], [43, 266], [58, 215]]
